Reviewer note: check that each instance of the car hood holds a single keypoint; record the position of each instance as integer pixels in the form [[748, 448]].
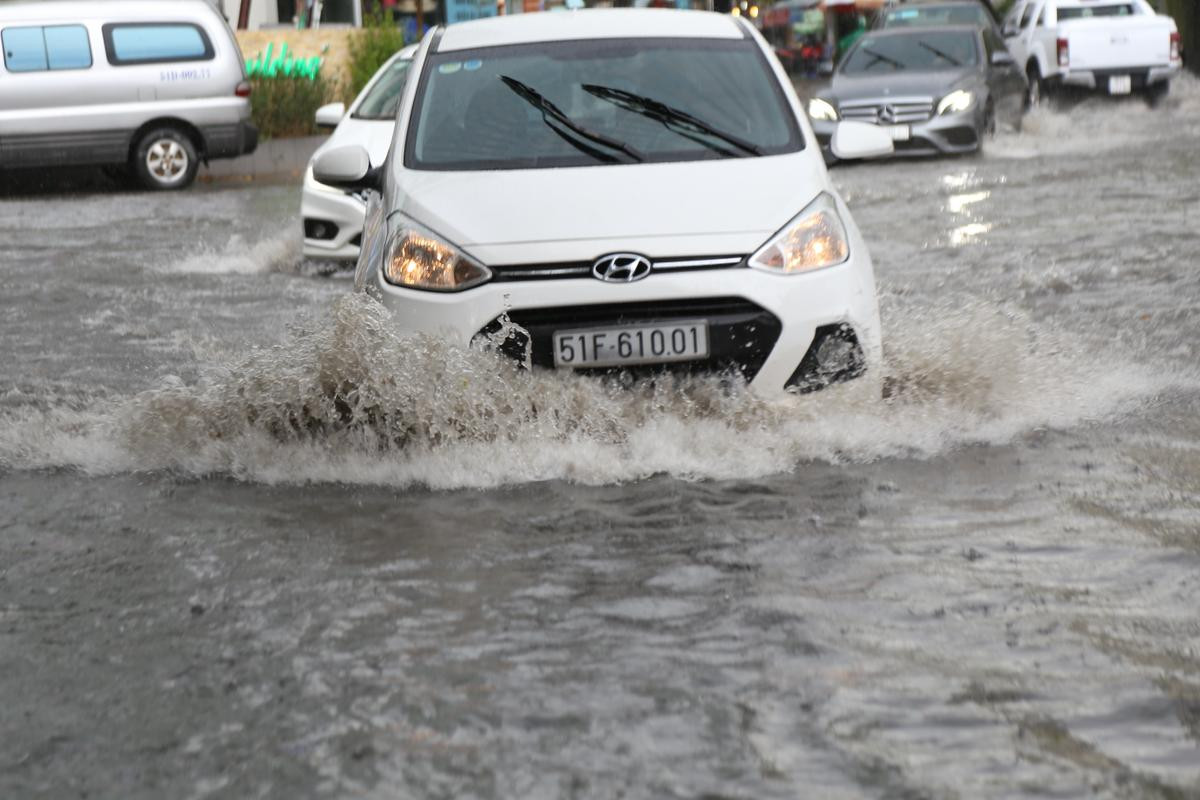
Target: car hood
[[374, 135], [720, 207], [905, 84]]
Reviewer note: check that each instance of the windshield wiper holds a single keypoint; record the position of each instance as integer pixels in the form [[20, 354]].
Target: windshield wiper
[[940, 54], [877, 56], [581, 134], [681, 122]]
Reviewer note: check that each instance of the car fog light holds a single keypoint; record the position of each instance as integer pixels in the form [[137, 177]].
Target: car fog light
[[419, 259], [835, 354], [822, 109], [816, 238], [958, 100]]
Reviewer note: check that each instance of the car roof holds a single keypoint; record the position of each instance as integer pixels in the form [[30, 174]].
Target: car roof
[[599, 23], [915, 29], [132, 10], [896, 5]]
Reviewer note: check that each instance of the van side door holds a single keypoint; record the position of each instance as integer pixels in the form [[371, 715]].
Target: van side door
[[49, 75]]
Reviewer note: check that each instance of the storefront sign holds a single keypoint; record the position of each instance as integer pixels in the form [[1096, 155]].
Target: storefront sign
[[463, 10], [264, 65]]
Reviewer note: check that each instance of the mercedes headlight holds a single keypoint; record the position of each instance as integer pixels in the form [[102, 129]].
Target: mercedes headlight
[[816, 238], [822, 109], [958, 100], [417, 258]]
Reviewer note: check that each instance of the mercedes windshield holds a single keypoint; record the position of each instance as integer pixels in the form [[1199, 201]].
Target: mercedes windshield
[[918, 51]]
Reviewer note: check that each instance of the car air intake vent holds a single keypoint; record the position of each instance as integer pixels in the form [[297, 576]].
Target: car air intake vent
[[888, 111], [741, 333], [583, 269]]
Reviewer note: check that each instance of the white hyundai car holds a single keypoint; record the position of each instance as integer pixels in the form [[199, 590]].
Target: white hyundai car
[[333, 218], [637, 190]]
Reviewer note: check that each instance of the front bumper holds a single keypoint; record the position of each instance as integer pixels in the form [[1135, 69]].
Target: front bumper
[[333, 222], [1139, 77], [949, 134], [765, 324]]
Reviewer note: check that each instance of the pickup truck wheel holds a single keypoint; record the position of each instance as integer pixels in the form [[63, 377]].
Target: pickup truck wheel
[[165, 159], [1035, 95], [1155, 93]]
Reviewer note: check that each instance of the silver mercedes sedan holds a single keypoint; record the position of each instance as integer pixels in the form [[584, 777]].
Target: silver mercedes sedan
[[935, 90]]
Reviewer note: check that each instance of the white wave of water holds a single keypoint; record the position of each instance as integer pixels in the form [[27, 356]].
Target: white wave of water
[[280, 252], [1094, 122], [345, 398]]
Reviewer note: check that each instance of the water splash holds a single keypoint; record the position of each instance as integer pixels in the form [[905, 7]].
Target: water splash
[[345, 397], [278, 253], [1094, 122]]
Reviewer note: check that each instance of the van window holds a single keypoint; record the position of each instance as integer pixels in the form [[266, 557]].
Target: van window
[[36, 49], [67, 47], [24, 49], [155, 42]]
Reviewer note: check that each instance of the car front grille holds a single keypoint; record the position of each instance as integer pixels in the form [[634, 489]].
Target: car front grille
[[741, 334], [888, 111], [583, 269]]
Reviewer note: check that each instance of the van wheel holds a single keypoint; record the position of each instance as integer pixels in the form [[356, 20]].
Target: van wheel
[[165, 158]]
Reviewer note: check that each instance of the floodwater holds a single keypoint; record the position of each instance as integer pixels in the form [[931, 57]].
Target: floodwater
[[472, 582]]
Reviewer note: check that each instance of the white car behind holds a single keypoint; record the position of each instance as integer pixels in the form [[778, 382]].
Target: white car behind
[[637, 190], [333, 218]]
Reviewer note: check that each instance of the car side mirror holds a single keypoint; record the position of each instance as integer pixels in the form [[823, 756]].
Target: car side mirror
[[347, 167], [861, 140], [329, 115], [1002, 58]]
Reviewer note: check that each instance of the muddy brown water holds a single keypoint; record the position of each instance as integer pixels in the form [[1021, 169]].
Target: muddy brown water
[[499, 585]]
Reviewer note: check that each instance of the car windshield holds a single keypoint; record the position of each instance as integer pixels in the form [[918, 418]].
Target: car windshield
[[384, 97], [927, 51], [933, 15], [591, 102]]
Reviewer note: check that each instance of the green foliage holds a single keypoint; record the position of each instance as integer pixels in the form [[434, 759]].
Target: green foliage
[[378, 41], [285, 106]]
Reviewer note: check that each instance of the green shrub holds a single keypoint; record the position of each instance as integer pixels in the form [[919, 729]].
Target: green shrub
[[378, 41], [284, 106]]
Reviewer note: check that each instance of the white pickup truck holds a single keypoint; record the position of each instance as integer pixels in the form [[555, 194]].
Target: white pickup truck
[[1111, 46]]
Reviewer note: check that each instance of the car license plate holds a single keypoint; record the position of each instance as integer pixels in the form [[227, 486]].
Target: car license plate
[[900, 133], [641, 344], [1119, 84]]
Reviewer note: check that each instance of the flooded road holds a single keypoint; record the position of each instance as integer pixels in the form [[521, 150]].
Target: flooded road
[[215, 581]]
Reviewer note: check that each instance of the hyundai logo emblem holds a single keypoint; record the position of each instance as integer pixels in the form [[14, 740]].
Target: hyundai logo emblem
[[621, 268]]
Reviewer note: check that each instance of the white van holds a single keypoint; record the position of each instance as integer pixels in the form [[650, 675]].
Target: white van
[[155, 86]]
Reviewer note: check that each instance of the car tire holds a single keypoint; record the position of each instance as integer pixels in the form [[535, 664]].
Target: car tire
[[165, 160], [1035, 94], [987, 127], [1155, 93]]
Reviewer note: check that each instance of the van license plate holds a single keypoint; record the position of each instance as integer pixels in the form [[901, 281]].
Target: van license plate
[[900, 133], [642, 344], [1119, 84]]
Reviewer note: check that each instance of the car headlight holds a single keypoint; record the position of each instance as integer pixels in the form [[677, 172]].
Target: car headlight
[[418, 258], [815, 239], [958, 100], [822, 109]]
